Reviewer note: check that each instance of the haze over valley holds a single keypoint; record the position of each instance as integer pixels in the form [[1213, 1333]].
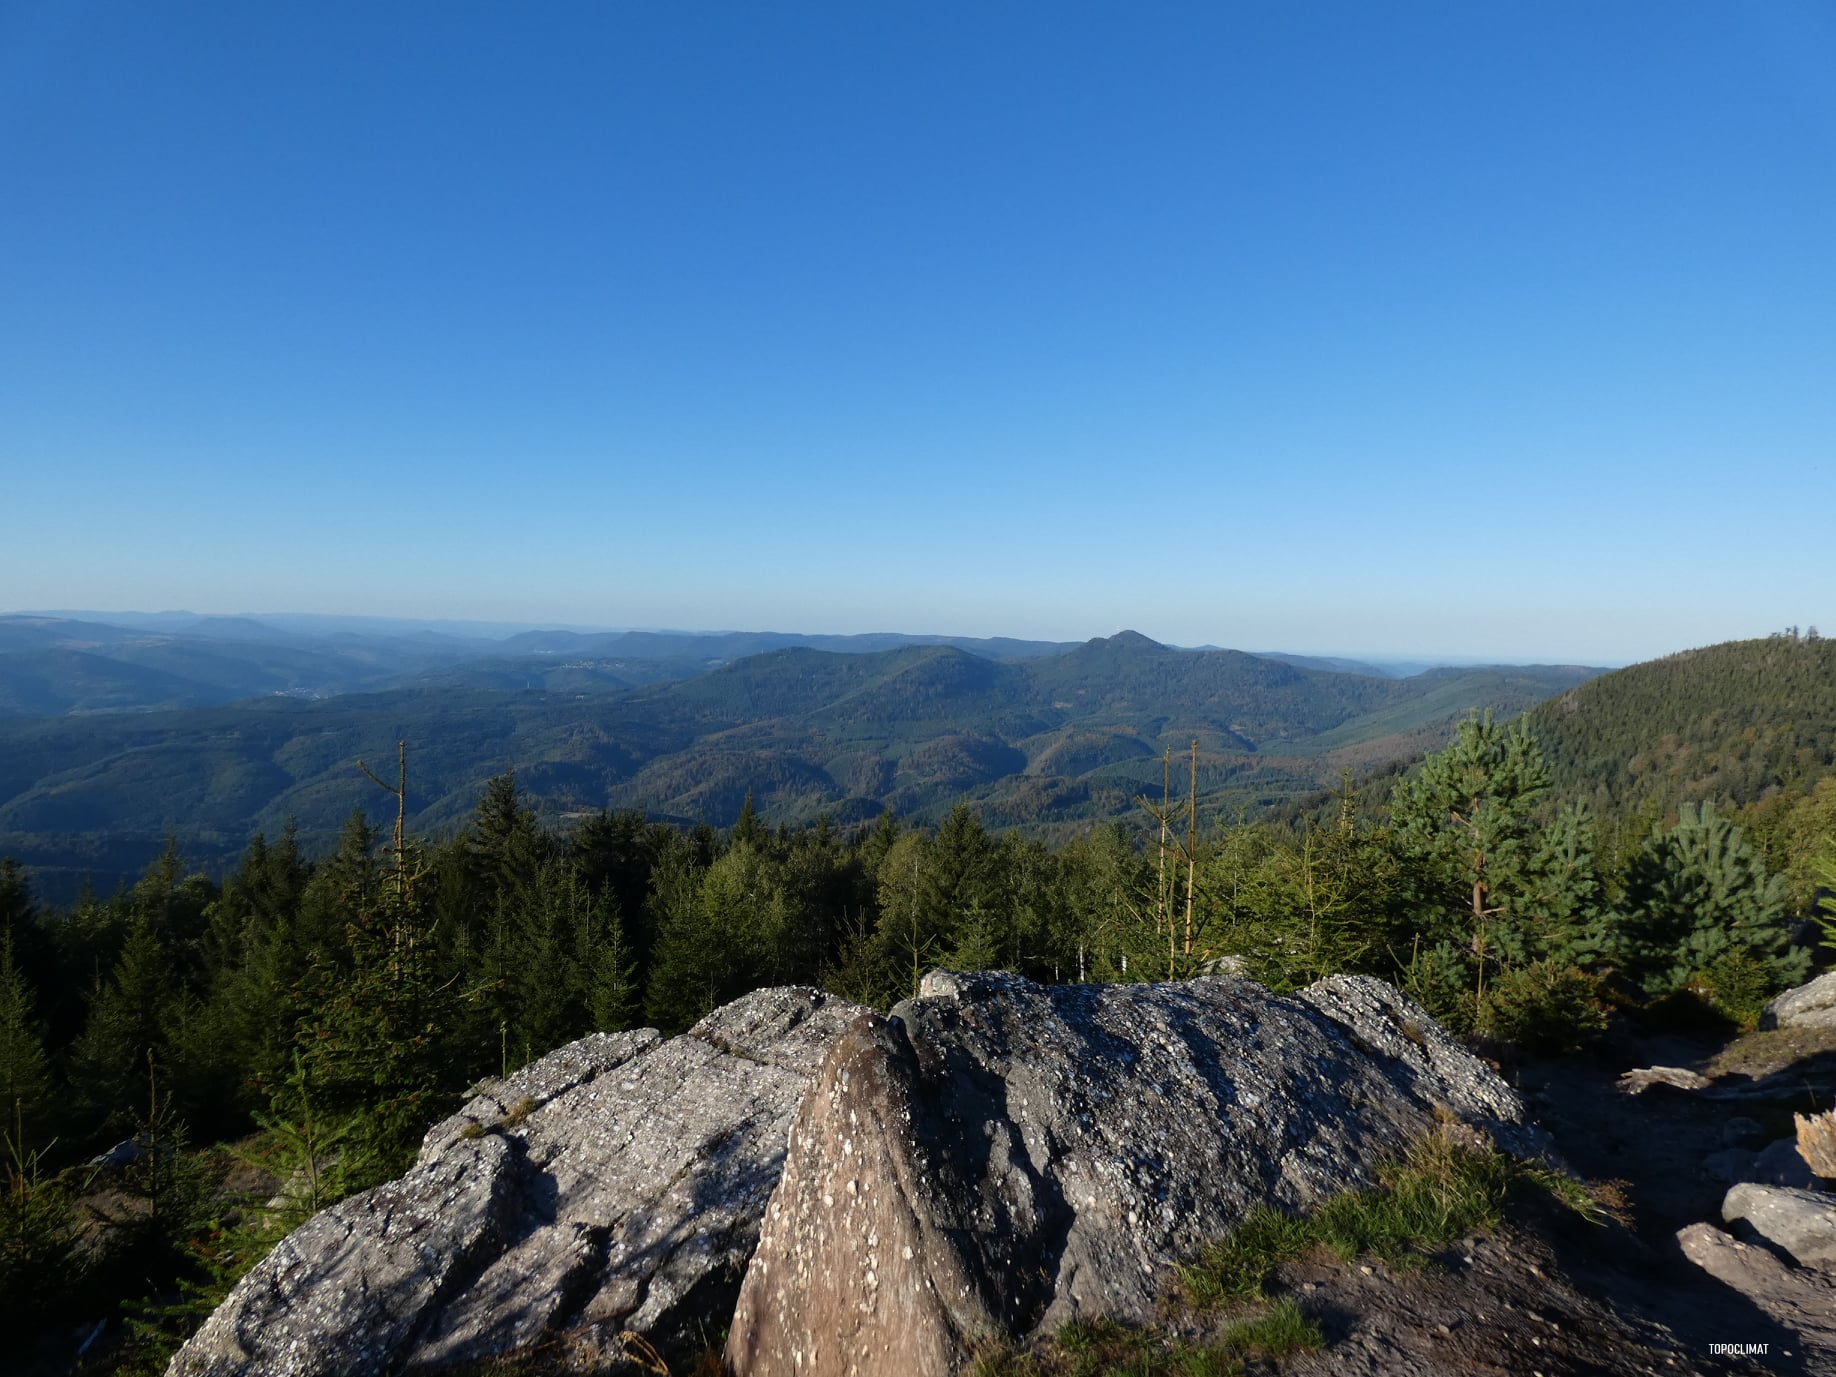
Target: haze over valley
[[212, 728]]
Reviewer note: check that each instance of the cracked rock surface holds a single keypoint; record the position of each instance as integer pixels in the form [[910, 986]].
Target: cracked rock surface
[[616, 1183], [998, 1157]]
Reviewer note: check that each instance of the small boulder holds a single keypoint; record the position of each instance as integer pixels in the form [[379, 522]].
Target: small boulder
[[1801, 1222], [1808, 1006], [1778, 1164]]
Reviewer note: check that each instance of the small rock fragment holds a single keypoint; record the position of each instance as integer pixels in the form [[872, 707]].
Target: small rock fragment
[[1670, 1077]]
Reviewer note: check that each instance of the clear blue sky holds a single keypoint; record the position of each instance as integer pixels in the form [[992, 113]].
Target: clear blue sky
[[1465, 329]]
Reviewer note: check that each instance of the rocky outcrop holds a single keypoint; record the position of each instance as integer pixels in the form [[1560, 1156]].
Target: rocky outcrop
[[997, 1157], [617, 1183], [1808, 1006]]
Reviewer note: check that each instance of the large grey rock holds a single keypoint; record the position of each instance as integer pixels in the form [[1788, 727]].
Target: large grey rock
[[1800, 1300], [1801, 1222], [1807, 1006], [998, 1157], [615, 1184]]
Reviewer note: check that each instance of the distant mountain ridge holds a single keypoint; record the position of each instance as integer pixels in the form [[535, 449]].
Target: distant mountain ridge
[[1048, 740], [55, 664]]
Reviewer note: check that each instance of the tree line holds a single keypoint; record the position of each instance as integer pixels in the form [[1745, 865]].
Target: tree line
[[323, 1011]]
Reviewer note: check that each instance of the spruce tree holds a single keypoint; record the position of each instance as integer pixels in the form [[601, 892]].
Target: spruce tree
[[126, 1026], [344, 885], [747, 829], [552, 959], [613, 995], [718, 936], [505, 844], [25, 1082], [614, 854]]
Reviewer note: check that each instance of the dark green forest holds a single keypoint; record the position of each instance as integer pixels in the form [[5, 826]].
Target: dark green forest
[[1049, 742], [303, 1016]]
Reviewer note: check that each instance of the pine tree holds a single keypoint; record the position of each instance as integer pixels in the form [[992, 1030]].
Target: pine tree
[[1464, 825], [1698, 894], [1565, 913]]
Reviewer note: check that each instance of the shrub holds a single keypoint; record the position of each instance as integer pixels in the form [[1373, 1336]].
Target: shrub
[[1543, 1007], [1738, 986]]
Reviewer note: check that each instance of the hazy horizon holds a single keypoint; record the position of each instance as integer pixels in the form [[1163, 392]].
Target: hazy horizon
[[1428, 330], [499, 629]]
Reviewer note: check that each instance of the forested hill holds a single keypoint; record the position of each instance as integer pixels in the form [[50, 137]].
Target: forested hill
[[1043, 742], [1729, 724]]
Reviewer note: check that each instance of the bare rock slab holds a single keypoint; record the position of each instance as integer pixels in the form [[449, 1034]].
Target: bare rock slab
[[998, 1157], [616, 1183]]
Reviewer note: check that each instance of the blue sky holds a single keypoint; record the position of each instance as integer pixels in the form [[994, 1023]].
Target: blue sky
[[1467, 330]]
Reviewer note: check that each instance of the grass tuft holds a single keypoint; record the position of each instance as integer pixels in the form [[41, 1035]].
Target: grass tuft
[[1283, 1329]]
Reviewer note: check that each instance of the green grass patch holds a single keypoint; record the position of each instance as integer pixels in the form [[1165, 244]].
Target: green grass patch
[[1441, 1192], [1282, 1329], [1102, 1348]]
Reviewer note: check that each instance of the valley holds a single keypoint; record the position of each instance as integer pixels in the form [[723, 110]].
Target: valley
[[1027, 734]]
